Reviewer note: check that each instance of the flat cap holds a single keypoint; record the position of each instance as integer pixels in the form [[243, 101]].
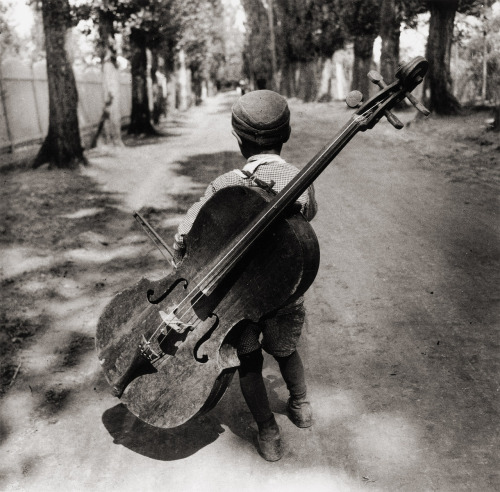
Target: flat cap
[[262, 117]]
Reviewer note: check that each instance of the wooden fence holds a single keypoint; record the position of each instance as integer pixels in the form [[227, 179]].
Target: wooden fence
[[24, 104]]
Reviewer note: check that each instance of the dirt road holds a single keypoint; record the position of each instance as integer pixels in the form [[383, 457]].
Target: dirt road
[[401, 345]]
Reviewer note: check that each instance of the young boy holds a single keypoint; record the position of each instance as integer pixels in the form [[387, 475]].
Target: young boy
[[261, 125]]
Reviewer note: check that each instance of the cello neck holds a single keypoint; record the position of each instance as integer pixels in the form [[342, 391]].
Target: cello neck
[[306, 177]]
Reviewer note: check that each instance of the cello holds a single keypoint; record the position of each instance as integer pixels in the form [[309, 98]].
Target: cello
[[168, 347]]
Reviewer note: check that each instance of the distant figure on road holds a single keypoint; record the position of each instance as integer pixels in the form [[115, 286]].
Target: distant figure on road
[[261, 124], [242, 87]]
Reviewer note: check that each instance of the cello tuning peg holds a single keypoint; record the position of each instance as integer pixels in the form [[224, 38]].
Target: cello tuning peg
[[418, 105], [354, 99], [376, 78], [393, 120]]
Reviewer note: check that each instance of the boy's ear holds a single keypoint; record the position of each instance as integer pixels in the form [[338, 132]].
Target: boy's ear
[[240, 142]]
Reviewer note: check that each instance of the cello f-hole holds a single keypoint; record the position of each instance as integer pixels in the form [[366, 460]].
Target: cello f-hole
[[150, 292], [204, 358]]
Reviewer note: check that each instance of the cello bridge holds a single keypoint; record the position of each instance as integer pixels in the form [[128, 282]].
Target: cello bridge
[[148, 352], [173, 322]]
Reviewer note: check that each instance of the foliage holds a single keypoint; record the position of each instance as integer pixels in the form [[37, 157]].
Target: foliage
[[407, 12], [309, 28], [361, 17], [166, 26], [202, 37], [473, 7], [305, 30], [474, 41], [438, 51], [256, 52], [11, 42], [329, 36], [234, 40]]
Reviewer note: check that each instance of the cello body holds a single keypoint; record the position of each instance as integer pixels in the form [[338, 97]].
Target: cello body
[[168, 347], [198, 364]]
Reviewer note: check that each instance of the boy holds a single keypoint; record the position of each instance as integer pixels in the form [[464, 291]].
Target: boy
[[261, 125]]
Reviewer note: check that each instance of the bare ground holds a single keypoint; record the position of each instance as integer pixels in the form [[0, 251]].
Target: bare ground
[[401, 344]]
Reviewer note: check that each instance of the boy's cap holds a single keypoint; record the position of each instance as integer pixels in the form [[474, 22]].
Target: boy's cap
[[262, 117]]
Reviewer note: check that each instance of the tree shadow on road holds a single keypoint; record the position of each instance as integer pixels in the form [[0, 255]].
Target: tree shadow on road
[[204, 168], [160, 137]]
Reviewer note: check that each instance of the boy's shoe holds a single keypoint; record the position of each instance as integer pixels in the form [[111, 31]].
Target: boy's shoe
[[300, 412], [269, 440]]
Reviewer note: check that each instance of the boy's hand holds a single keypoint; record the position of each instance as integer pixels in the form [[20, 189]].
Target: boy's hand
[[179, 252]]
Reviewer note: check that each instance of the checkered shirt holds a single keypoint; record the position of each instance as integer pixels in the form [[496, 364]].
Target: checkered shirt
[[271, 167]]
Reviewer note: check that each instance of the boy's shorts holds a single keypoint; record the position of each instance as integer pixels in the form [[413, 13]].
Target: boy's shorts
[[280, 331]]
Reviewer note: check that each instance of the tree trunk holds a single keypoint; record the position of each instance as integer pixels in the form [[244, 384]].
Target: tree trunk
[[496, 119], [111, 134], [485, 66], [197, 81], [287, 86], [272, 45], [140, 119], [182, 79], [438, 82], [171, 89], [390, 31], [62, 146], [363, 57], [170, 97], [159, 102], [308, 80]]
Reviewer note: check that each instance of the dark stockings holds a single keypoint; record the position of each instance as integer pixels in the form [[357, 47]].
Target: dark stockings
[[292, 371], [252, 383]]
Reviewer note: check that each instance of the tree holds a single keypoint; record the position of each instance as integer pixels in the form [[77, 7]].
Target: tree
[[234, 39], [361, 19], [165, 28], [310, 33], [394, 13], [110, 75], [140, 118], [257, 61], [137, 25], [145, 25], [479, 46], [202, 39], [438, 81], [62, 146], [103, 16], [390, 31]]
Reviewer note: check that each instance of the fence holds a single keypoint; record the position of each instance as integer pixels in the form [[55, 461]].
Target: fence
[[24, 104]]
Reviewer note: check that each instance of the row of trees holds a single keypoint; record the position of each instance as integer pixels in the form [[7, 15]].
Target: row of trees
[[284, 38], [152, 35], [310, 31]]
